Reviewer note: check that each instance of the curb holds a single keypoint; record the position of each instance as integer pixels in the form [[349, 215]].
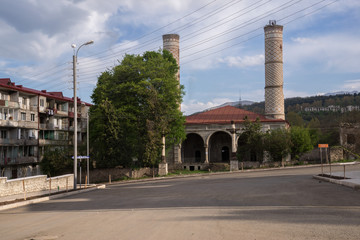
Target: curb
[[42, 199], [150, 179], [340, 182]]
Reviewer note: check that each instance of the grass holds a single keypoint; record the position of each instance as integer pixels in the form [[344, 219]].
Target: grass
[[186, 172]]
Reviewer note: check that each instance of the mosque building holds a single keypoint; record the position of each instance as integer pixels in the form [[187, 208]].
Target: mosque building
[[212, 136]]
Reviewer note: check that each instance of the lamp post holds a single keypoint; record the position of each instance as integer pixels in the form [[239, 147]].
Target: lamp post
[[75, 107]]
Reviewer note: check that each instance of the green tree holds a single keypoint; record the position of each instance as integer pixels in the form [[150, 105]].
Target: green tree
[[278, 143], [314, 127], [294, 119], [56, 162], [135, 104], [250, 143], [301, 141]]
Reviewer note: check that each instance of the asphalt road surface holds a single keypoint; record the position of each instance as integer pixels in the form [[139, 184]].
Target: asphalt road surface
[[276, 204]]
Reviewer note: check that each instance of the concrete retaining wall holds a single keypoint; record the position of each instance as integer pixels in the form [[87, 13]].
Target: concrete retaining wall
[[34, 184], [103, 175]]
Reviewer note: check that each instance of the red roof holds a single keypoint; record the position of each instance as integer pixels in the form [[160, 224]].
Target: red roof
[[6, 82], [224, 115]]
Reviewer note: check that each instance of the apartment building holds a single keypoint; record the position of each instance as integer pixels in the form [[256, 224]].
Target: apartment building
[[30, 121]]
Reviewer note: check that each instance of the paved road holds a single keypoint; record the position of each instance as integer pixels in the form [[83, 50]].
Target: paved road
[[281, 204]]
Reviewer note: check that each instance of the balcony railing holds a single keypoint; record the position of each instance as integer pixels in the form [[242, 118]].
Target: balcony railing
[[20, 142], [9, 123], [43, 142], [61, 113], [19, 160]]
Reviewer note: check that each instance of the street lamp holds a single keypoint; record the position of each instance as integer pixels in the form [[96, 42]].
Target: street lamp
[[75, 107]]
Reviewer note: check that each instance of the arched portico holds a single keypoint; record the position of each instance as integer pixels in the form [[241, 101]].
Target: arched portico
[[193, 149], [220, 145]]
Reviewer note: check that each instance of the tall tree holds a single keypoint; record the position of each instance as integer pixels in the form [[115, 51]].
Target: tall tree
[[250, 143], [301, 141], [135, 104], [277, 142]]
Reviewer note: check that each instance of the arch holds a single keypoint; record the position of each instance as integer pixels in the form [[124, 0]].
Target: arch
[[193, 150], [218, 142]]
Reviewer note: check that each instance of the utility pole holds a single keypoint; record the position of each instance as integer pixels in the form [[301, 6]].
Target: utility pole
[[87, 148], [75, 107]]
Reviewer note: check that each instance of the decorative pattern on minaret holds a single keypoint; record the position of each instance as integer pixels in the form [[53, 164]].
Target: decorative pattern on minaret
[[274, 95], [171, 43]]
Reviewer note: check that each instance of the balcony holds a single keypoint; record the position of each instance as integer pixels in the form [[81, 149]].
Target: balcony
[[10, 104], [61, 113], [18, 160], [44, 142], [24, 106], [18, 142], [26, 124], [9, 123], [23, 160], [71, 115]]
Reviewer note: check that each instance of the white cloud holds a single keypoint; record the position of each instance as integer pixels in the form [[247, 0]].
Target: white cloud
[[193, 106], [353, 85], [243, 62], [331, 53]]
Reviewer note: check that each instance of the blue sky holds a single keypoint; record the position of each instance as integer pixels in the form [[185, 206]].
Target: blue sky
[[221, 44]]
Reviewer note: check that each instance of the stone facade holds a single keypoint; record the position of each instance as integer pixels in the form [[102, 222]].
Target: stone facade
[[35, 183], [32, 120], [212, 138], [350, 139]]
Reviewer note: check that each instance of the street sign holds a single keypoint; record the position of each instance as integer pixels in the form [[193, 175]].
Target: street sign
[[323, 145], [81, 157]]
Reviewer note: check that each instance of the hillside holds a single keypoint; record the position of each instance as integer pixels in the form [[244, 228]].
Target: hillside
[[322, 114]]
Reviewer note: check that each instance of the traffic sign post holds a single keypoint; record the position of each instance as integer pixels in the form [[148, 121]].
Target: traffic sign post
[[87, 167], [326, 146]]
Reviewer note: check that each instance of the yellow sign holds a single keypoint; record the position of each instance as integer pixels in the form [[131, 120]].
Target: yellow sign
[[323, 145]]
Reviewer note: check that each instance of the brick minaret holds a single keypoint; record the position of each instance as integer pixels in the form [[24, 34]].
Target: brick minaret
[[171, 43], [274, 95]]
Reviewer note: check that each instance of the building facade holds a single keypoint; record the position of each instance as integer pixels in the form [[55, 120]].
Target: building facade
[[213, 137], [30, 122]]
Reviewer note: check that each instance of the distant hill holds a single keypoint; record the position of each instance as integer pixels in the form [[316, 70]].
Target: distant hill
[[341, 93], [299, 104], [326, 123]]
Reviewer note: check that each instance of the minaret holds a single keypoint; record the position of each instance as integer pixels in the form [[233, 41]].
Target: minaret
[[171, 43], [274, 95]]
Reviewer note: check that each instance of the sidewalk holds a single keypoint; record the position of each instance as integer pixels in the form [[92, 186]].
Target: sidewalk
[[18, 200], [352, 178]]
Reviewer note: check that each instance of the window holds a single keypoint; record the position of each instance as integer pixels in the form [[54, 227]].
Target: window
[[32, 117], [3, 134], [23, 116], [42, 103], [31, 151]]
